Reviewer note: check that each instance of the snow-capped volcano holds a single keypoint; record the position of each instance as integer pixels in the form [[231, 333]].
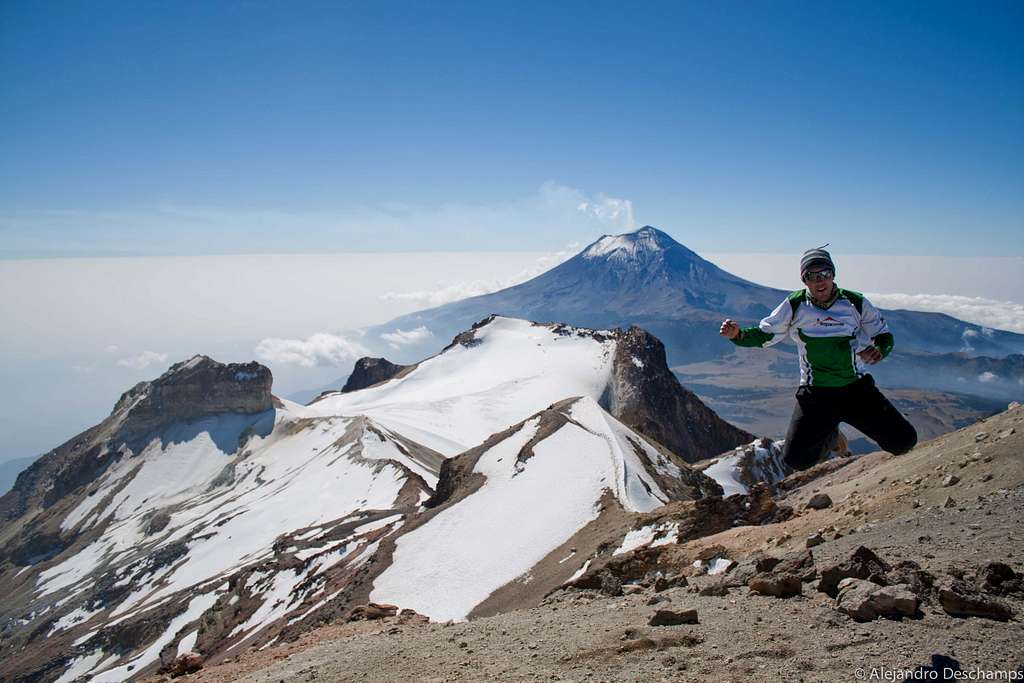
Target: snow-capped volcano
[[634, 248], [647, 278], [206, 514], [617, 281]]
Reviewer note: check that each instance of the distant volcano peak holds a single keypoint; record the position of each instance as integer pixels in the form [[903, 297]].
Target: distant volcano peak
[[637, 247]]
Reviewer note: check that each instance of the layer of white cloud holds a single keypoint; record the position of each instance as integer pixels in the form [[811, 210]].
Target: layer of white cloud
[[446, 293], [989, 313], [405, 337], [317, 349], [143, 360], [987, 377]]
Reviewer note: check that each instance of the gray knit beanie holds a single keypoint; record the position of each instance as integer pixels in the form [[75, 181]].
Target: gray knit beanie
[[816, 257]]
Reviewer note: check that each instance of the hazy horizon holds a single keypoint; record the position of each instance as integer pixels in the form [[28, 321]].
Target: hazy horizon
[[78, 337]]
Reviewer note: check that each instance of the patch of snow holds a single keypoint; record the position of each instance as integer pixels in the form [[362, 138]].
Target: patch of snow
[[81, 666], [187, 643], [727, 473], [666, 534], [652, 534], [634, 487], [765, 464], [635, 539], [71, 619], [579, 572], [637, 362], [718, 565], [81, 640], [290, 479], [192, 362]]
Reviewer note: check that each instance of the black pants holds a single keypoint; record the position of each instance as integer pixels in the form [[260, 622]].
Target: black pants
[[819, 410]]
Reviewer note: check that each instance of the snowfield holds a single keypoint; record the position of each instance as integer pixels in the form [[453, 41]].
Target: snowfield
[[523, 512]]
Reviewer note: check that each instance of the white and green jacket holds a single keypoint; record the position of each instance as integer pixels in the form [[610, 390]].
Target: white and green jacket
[[828, 338]]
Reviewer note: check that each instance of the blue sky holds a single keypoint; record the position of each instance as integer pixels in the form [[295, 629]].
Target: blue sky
[[191, 128]]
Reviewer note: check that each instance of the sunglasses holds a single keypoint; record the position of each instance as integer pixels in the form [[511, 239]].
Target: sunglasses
[[817, 275]]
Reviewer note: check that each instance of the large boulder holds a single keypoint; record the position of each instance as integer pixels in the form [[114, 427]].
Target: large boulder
[[780, 585], [960, 599], [185, 663], [999, 578], [666, 617], [862, 564], [866, 601]]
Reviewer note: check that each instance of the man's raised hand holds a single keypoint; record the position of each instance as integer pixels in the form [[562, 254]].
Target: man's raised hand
[[870, 355], [729, 329]]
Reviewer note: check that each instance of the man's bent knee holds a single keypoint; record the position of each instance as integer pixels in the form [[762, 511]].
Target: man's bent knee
[[801, 459], [902, 443]]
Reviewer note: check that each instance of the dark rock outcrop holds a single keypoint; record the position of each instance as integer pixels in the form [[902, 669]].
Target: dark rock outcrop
[[646, 395], [369, 371], [192, 389]]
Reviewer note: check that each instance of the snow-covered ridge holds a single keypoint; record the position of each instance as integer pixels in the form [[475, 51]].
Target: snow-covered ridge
[[506, 371], [500, 538]]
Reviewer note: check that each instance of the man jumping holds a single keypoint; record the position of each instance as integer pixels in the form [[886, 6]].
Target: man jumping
[[838, 333]]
